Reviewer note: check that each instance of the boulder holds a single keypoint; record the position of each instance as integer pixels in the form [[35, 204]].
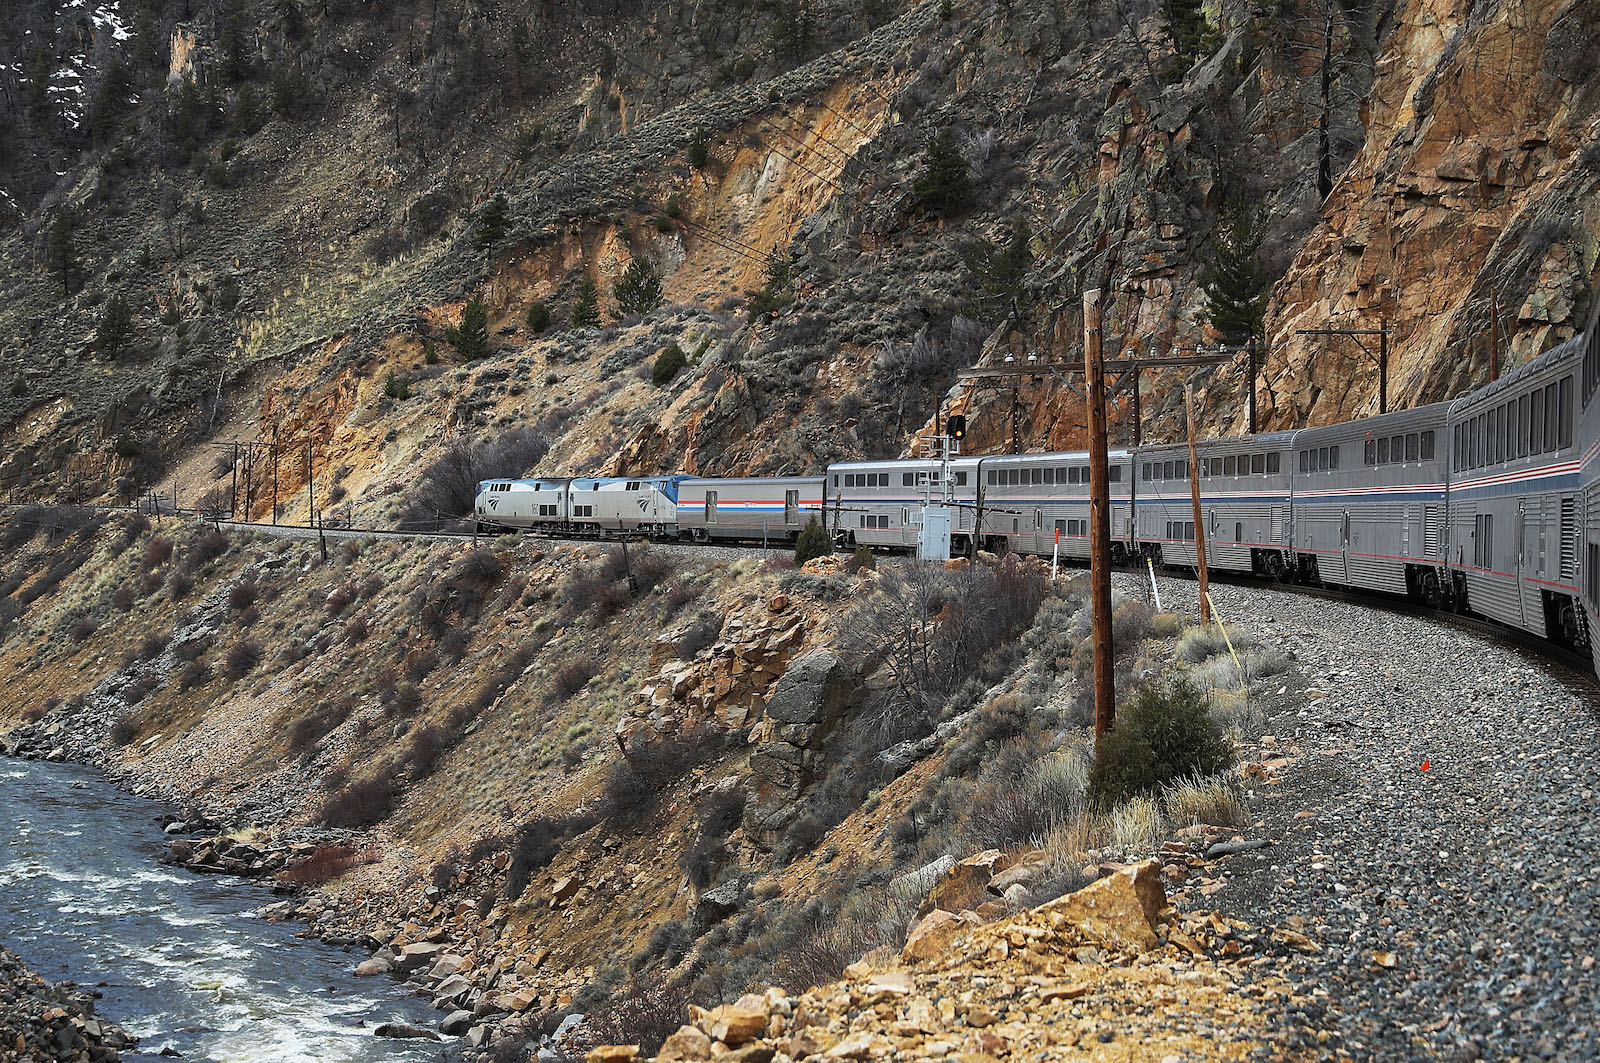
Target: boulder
[[456, 1023], [1121, 910], [966, 884], [891, 985], [401, 1030], [722, 901], [612, 1054], [690, 1044], [734, 1025], [1027, 870], [932, 934], [813, 690], [374, 966], [451, 992], [418, 955]]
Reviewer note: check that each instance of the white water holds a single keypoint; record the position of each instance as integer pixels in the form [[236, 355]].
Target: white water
[[184, 961]]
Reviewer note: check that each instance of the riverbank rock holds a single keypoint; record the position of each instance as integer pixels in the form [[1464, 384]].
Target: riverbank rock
[[44, 1021]]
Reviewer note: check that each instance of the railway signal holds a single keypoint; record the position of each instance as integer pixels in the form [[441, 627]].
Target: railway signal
[[956, 426], [1094, 373]]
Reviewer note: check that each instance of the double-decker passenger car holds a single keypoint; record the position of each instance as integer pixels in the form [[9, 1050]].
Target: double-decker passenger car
[[879, 503], [1245, 488], [1028, 500], [1515, 531], [1375, 516]]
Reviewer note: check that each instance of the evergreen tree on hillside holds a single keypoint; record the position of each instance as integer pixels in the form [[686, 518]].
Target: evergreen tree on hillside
[[585, 305], [494, 221], [1002, 271], [945, 184], [110, 101], [471, 337], [236, 65], [1191, 33], [791, 29], [61, 256], [638, 290], [41, 112], [1236, 284], [115, 330], [812, 543]]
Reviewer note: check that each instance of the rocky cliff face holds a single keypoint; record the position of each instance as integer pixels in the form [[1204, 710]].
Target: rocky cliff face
[[292, 203], [1474, 196]]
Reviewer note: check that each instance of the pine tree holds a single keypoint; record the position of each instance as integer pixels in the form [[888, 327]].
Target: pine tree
[[775, 293], [812, 542], [116, 327], [61, 257], [146, 42], [1236, 284], [1190, 32], [585, 305], [494, 221], [110, 100], [471, 337], [791, 29], [37, 99], [945, 184], [236, 66], [538, 316], [638, 290], [1002, 272], [699, 149]]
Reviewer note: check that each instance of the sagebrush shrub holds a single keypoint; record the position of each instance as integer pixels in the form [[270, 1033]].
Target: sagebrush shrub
[[1164, 734]]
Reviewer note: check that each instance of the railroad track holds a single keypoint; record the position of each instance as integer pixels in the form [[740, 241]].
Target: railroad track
[[1577, 663]]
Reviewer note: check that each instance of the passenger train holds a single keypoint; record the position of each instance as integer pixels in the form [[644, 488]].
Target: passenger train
[[1489, 503]]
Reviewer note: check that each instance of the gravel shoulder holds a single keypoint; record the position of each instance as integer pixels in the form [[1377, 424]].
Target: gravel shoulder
[[1435, 828]]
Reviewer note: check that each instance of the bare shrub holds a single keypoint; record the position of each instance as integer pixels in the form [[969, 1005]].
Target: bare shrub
[[211, 545], [123, 731], [429, 744], [193, 674], [356, 629], [570, 679], [82, 628], [156, 553], [316, 725], [926, 629], [362, 802], [326, 863], [192, 649], [241, 657], [480, 566], [407, 698], [148, 650], [448, 486], [243, 595]]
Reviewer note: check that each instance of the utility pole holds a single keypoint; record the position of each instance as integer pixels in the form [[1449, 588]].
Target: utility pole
[[311, 494], [1199, 524], [233, 493], [1252, 353], [1094, 369], [274, 475]]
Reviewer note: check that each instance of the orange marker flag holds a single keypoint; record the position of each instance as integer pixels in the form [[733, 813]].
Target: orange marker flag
[[1424, 763]]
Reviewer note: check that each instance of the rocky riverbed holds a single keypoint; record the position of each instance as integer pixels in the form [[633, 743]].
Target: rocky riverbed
[[41, 1020]]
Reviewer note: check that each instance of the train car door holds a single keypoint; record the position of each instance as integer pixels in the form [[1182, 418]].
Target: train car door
[[1523, 517], [1344, 547], [1405, 534]]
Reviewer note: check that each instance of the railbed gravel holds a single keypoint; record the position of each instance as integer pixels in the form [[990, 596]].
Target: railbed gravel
[[1478, 874]]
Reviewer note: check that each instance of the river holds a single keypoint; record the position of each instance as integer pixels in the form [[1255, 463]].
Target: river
[[186, 965]]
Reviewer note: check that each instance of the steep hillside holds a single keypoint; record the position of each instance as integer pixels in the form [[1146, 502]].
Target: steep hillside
[[292, 201]]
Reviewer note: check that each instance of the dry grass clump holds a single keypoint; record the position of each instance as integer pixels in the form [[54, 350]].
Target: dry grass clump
[[1215, 800], [1202, 643]]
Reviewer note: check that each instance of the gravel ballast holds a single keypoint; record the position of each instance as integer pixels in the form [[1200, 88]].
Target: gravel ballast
[[1436, 828]]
